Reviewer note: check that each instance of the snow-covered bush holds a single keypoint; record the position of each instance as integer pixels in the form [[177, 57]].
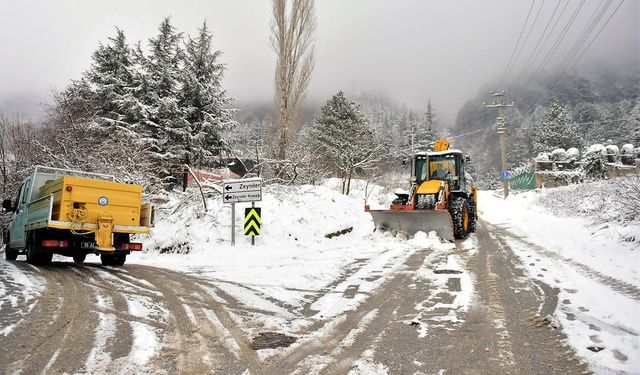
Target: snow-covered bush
[[542, 156], [595, 149], [626, 155], [636, 152], [594, 164], [559, 154], [612, 153], [573, 153], [628, 196]]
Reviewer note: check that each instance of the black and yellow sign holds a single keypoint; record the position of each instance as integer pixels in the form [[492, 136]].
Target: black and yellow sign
[[252, 221]]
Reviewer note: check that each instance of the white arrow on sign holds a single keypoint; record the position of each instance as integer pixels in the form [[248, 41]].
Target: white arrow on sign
[[239, 197]]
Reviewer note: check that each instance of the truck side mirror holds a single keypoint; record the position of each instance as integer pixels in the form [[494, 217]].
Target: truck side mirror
[[7, 206]]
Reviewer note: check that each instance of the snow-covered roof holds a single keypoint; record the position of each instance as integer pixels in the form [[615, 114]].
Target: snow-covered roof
[[436, 153]]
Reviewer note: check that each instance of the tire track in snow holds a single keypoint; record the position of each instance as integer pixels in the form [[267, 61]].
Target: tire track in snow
[[617, 285]]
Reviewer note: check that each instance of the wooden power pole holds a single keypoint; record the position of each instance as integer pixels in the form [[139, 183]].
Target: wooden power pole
[[499, 104]]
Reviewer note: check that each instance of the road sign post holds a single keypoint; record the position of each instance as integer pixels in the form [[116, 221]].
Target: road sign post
[[233, 224], [239, 191]]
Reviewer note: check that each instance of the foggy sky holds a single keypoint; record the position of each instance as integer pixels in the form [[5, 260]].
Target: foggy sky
[[406, 50]]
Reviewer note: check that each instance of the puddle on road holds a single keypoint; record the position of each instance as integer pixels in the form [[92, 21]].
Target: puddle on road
[[271, 340]]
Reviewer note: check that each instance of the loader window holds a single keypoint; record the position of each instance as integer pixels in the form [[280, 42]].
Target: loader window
[[421, 169], [442, 167], [446, 167]]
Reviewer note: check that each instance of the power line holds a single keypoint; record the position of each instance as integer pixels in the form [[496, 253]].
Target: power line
[[527, 37], [508, 67], [591, 25], [560, 38], [535, 49], [553, 28], [484, 128], [590, 43], [599, 31]]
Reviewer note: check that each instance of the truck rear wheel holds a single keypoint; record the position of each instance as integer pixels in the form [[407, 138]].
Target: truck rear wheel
[[79, 258], [113, 259], [36, 255]]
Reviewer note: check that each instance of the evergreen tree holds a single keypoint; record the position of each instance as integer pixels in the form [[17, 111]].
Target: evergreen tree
[[555, 130], [344, 140], [204, 100], [165, 123], [110, 79]]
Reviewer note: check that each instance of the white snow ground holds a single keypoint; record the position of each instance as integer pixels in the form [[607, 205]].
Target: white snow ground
[[596, 268]]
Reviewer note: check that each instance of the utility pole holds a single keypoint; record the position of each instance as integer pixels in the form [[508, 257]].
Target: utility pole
[[499, 104]]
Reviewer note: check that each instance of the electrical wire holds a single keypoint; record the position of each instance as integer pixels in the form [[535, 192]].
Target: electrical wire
[[598, 13], [535, 49], [527, 37], [507, 68], [599, 31], [560, 38], [574, 123]]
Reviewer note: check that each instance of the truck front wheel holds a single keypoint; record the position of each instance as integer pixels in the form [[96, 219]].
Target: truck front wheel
[[9, 253], [79, 258]]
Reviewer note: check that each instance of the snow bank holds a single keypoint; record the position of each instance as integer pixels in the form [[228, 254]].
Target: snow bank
[[594, 267]]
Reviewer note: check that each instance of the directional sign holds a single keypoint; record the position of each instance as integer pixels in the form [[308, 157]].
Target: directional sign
[[247, 190], [252, 221], [505, 174]]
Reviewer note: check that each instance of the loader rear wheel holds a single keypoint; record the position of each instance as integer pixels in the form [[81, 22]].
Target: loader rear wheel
[[473, 216], [459, 210]]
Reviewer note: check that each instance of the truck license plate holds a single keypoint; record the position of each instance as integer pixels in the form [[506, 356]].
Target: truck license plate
[[87, 245]]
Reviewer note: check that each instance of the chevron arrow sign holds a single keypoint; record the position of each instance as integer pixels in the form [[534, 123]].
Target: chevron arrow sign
[[252, 221]]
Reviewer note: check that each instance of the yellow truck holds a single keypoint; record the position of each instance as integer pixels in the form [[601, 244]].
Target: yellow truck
[[75, 213]]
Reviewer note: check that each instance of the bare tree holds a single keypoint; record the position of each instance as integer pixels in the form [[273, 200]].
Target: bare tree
[[292, 29]]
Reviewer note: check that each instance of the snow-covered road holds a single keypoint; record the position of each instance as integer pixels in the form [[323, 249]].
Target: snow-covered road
[[515, 298]]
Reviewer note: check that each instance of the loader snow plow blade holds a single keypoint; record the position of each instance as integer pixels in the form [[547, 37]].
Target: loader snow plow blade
[[411, 222]]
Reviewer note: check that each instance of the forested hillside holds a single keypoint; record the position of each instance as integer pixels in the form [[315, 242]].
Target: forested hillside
[[597, 108]]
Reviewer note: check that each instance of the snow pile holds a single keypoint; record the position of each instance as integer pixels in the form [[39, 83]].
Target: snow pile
[[602, 203]]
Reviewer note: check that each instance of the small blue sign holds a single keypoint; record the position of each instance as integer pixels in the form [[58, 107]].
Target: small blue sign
[[504, 175]]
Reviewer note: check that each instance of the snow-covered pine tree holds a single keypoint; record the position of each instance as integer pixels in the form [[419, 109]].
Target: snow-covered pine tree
[[343, 139], [110, 78], [203, 99], [165, 124], [555, 130]]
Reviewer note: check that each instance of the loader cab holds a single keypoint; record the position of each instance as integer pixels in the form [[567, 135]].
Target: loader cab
[[444, 165]]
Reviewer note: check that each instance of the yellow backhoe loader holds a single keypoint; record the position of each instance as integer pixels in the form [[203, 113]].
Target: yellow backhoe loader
[[440, 199]]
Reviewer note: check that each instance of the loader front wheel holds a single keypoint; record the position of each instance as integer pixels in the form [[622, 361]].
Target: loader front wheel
[[460, 216]]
